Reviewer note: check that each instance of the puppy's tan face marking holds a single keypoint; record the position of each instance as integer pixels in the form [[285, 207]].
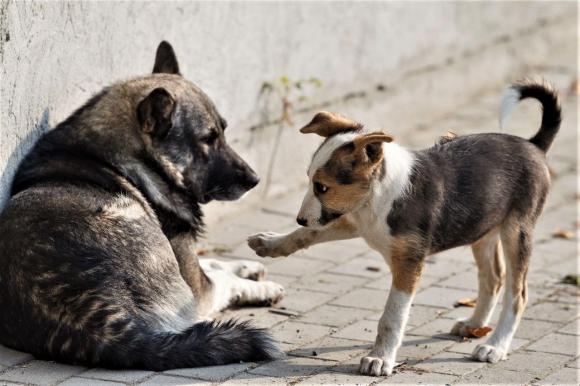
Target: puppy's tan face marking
[[342, 169]]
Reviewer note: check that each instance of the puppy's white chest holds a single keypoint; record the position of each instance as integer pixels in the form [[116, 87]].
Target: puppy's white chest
[[375, 232]]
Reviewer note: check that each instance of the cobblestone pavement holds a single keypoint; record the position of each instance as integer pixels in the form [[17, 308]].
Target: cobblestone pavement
[[336, 292]]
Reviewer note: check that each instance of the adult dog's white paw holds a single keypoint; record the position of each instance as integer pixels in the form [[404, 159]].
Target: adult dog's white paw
[[268, 244], [272, 293], [252, 270], [488, 353], [371, 365]]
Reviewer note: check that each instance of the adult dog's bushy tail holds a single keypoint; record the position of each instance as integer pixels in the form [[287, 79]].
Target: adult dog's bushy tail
[[552, 114], [203, 344]]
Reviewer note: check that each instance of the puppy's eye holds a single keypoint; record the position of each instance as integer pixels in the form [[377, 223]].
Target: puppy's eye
[[319, 188], [210, 138]]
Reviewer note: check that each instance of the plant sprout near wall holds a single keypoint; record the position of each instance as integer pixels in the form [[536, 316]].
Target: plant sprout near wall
[[288, 92]]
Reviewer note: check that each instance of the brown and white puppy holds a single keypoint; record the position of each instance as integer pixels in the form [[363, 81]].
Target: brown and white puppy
[[483, 190]]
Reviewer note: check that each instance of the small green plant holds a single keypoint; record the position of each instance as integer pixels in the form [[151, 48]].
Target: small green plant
[[288, 92]]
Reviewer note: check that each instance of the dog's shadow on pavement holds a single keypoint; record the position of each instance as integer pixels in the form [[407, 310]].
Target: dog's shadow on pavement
[[19, 152]]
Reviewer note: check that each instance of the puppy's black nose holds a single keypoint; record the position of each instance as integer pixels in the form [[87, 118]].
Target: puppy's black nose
[[301, 221]]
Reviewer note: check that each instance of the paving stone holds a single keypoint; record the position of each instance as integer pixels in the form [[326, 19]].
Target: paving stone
[[533, 329], [329, 283], [554, 312], [78, 381], [331, 348], [363, 298], [264, 317], [370, 265], [302, 300], [438, 327], [212, 373], [334, 378], [336, 251], [364, 330], [297, 266], [297, 333], [292, 367], [410, 377], [575, 363], [40, 372], [9, 357], [442, 297], [450, 363], [572, 328], [285, 281], [162, 380], [493, 376], [557, 344], [564, 376], [466, 280], [468, 346], [416, 348], [443, 268], [532, 363], [125, 376], [333, 316], [255, 379]]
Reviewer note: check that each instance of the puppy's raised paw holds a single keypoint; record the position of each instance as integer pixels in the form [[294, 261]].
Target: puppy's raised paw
[[268, 244]]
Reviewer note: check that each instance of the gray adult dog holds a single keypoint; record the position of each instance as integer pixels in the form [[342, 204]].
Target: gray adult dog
[[97, 261]]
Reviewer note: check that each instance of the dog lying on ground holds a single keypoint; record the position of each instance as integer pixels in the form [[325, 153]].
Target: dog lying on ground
[[483, 190], [97, 258]]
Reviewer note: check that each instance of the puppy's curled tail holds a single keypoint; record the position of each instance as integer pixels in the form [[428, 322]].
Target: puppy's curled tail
[[203, 344], [551, 116]]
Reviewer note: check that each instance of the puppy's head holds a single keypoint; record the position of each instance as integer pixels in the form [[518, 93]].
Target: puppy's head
[[341, 170], [184, 134]]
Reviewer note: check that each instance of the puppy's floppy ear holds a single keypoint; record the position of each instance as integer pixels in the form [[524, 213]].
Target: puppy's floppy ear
[[165, 60], [370, 146], [327, 124], [155, 113]]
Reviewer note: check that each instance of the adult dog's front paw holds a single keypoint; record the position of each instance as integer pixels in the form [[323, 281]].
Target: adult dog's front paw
[[269, 244], [377, 366]]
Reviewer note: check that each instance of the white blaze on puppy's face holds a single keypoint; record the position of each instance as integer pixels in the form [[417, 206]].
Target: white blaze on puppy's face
[[340, 175]]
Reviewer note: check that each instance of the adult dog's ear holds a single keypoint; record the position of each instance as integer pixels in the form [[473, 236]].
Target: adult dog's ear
[[327, 124], [165, 60], [155, 113], [369, 147]]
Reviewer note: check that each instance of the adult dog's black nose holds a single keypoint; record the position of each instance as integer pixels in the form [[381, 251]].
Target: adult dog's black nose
[[301, 221], [252, 179]]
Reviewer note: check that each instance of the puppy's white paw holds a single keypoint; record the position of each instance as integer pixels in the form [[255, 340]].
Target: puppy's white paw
[[488, 353], [273, 293], [268, 244], [252, 270], [377, 366]]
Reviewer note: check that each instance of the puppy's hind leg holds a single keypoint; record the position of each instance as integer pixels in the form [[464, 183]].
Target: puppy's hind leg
[[491, 272], [516, 238]]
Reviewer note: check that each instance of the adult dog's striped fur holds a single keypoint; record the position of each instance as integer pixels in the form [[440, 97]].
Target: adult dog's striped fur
[[97, 261], [483, 190]]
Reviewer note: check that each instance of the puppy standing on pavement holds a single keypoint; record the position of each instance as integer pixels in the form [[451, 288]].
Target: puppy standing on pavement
[[483, 190]]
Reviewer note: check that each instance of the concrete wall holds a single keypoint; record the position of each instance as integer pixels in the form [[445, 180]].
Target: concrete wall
[[388, 64]]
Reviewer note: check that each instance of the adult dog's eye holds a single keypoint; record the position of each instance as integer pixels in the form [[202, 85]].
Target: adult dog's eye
[[210, 138], [319, 188]]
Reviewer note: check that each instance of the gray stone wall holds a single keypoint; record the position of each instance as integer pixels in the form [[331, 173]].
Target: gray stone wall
[[392, 65]]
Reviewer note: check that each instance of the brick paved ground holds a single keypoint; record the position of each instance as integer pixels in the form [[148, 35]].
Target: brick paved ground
[[335, 294]]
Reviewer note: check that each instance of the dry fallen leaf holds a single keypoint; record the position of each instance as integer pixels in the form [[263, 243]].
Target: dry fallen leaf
[[562, 234], [465, 303], [479, 332]]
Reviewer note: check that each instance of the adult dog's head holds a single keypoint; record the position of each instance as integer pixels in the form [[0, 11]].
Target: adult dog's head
[[160, 132], [183, 134]]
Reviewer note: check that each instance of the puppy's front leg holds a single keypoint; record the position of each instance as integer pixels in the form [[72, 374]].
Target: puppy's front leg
[[406, 266], [274, 245]]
